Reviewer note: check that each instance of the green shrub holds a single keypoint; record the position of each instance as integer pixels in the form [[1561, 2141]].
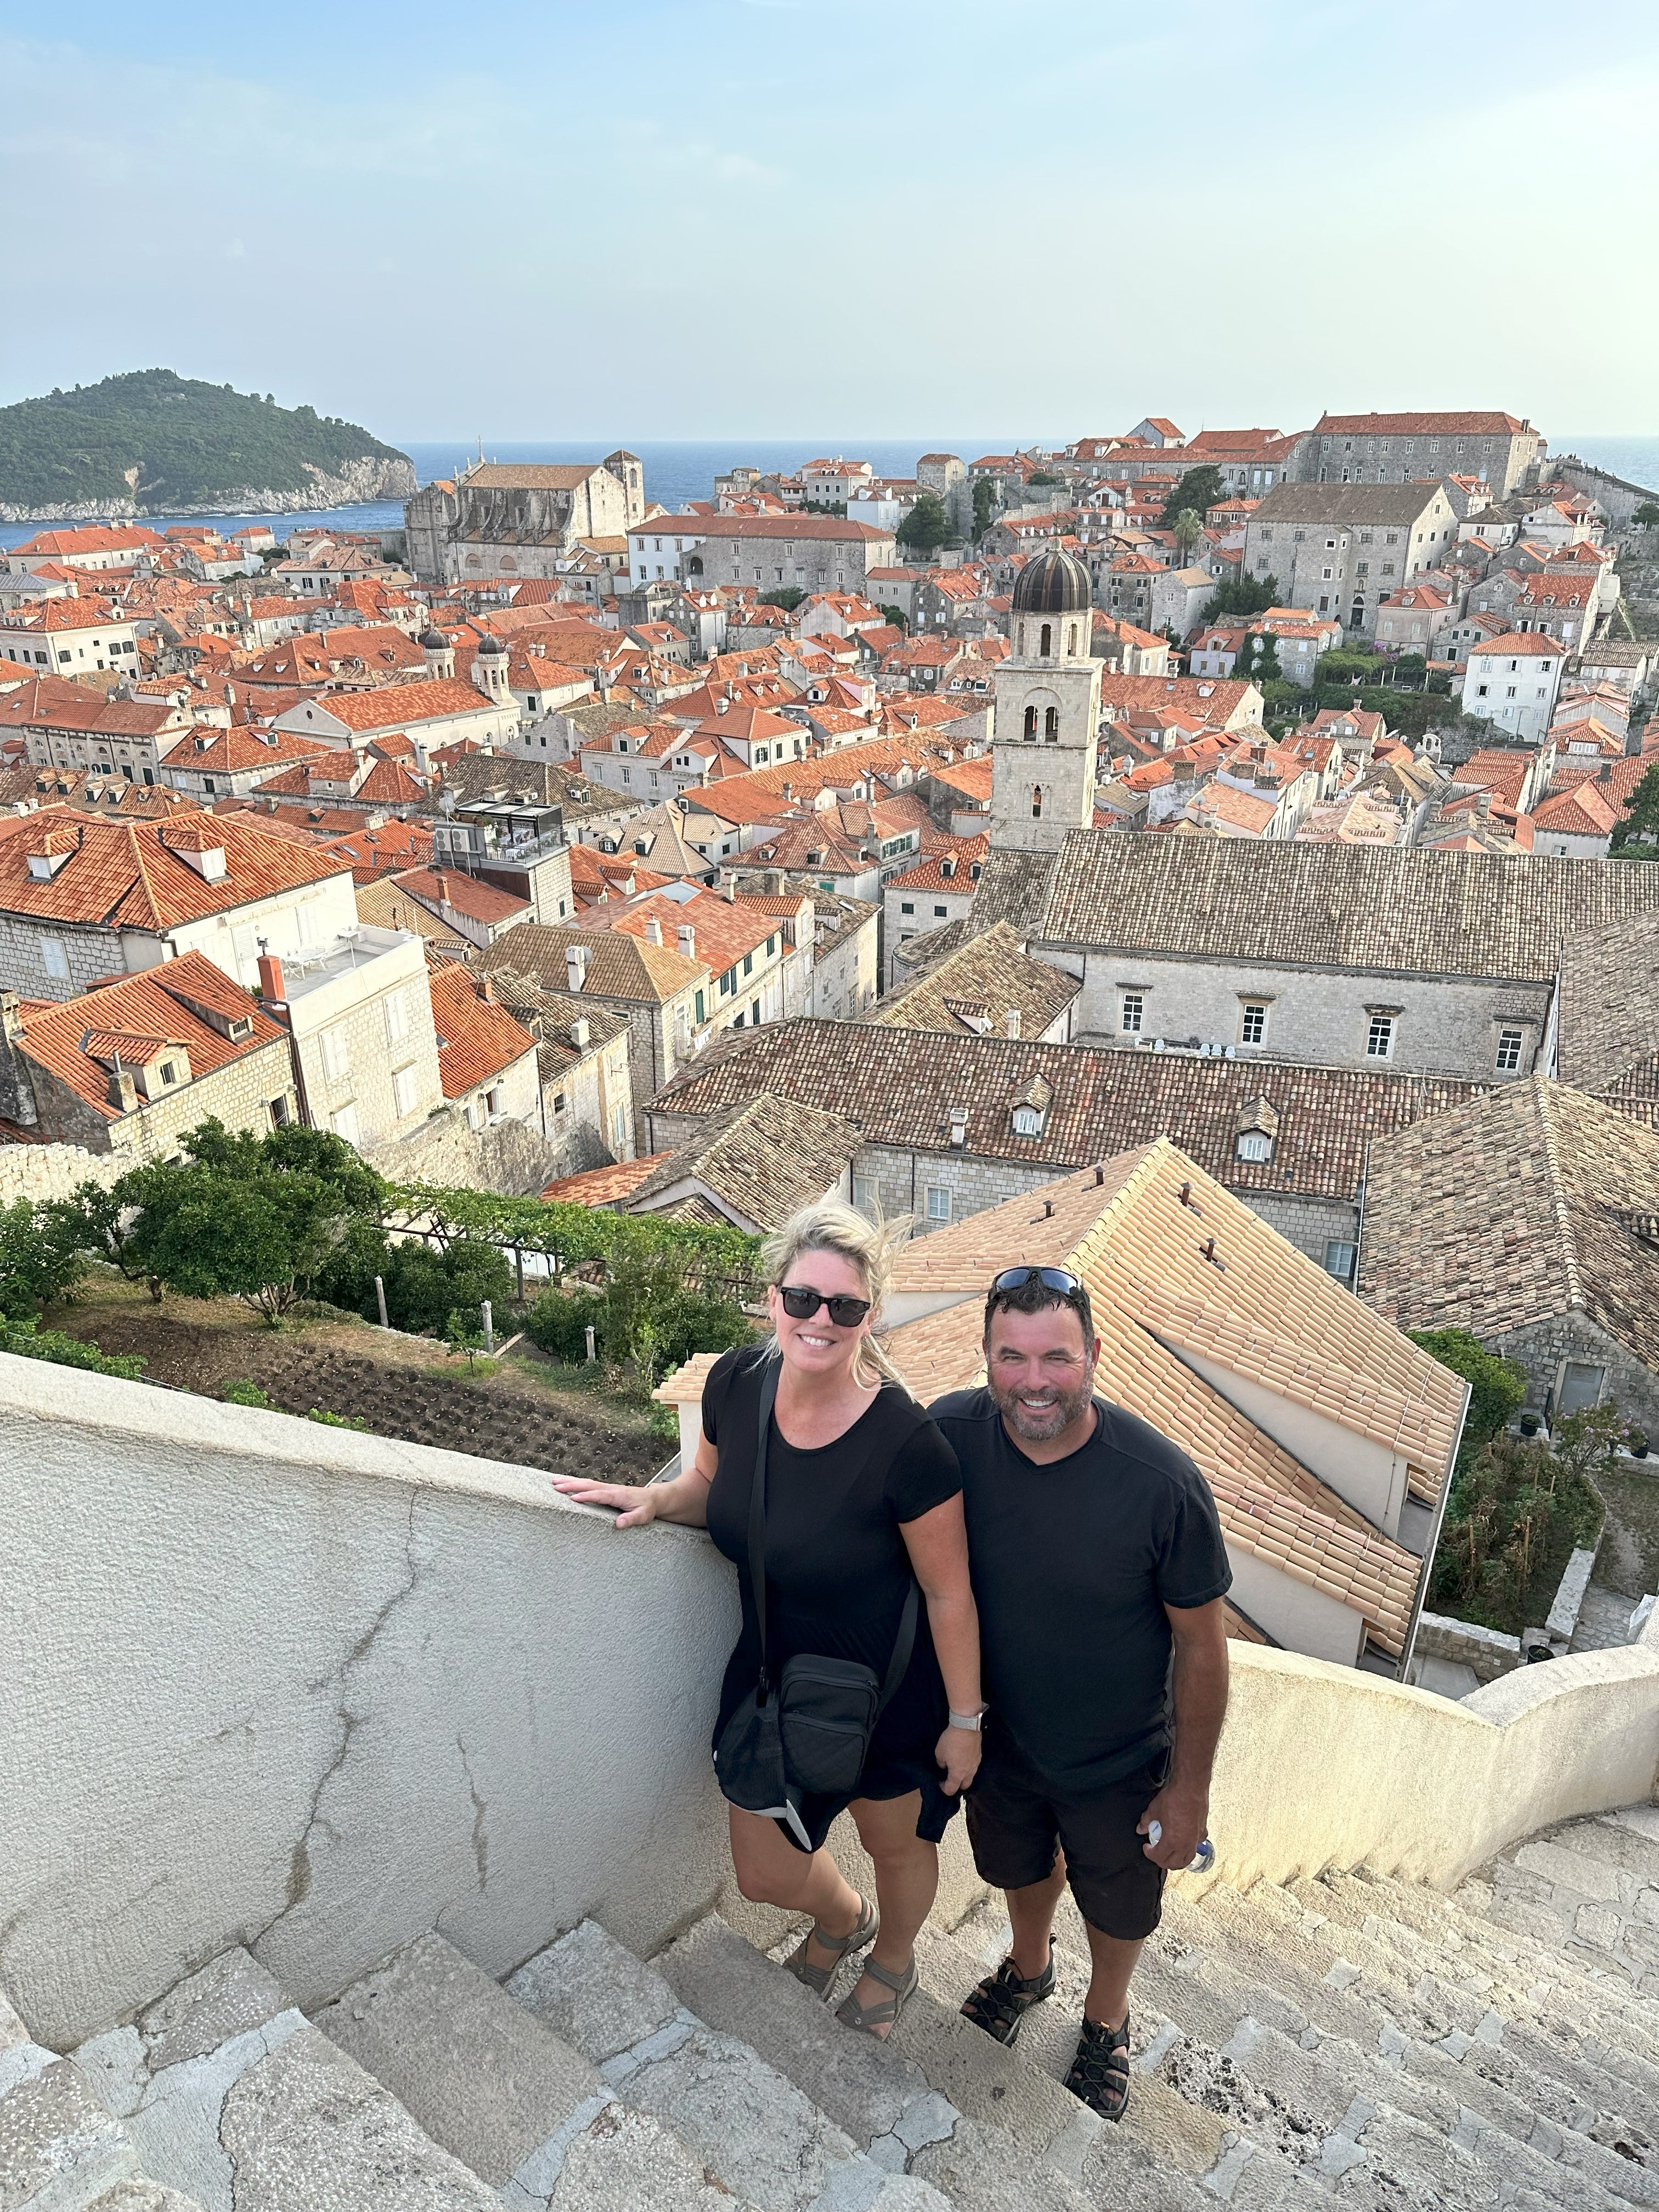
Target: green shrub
[[425, 1285], [559, 1320], [24, 1339], [321, 1414], [1497, 1387], [690, 1325], [246, 1392]]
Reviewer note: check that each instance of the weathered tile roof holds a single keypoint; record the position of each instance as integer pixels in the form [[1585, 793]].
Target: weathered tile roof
[[1520, 1207], [764, 1159], [902, 1086], [596, 1186], [990, 970], [1373, 910], [1608, 1037], [1149, 1257], [1399, 503], [619, 966], [1014, 888], [132, 875]]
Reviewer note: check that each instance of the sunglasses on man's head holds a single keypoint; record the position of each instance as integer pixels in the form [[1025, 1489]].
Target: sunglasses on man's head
[[800, 1304], [1052, 1279]]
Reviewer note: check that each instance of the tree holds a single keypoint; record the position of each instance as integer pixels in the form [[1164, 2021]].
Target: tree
[[1497, 1387], [1409, 668], [787, 596], [1199, 489], [1641, 822], [927, 526], [1646, 515], [985, 506], [1346, 664], [40, 1256], [207, 1233], [464, 1336], [898, 616], [1241, 595], [1043, 478], [1188, 529]]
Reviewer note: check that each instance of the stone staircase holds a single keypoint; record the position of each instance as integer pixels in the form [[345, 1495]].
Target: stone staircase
[[1353, 2038]]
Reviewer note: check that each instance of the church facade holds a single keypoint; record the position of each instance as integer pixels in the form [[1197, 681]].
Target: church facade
[[519, 518]]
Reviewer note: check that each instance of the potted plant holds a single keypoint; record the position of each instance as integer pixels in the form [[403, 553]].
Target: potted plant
[[1529, 1425], [1636, 1442]]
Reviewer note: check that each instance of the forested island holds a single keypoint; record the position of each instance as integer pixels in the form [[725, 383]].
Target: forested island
[[153, 443]]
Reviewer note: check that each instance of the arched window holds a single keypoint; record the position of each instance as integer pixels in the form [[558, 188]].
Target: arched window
[[1030, 724], [694, 565], [1037, 802], [1071, 637], [1046, 642], [1051, 725]]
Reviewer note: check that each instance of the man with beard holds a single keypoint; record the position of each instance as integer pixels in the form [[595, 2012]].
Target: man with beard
[[1097, 1558]]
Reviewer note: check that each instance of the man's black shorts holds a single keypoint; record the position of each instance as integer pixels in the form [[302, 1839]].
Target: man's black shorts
[[1015, 1820]]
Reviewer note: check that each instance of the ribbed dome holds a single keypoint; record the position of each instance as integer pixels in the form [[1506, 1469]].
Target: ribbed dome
[[1052, 583], [493, 645], [433, 640]]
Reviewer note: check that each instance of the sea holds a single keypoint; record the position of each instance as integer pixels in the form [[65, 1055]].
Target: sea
[[675, 472]]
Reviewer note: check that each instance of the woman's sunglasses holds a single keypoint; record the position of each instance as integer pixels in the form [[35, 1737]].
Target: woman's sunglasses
[[800, 1304]]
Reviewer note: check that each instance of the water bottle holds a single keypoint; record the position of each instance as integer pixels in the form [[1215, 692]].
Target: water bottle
[[1203, 1859]]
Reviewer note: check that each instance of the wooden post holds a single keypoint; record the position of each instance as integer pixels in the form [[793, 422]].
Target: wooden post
[[517, 1255], [489, 1330], [380, 1300], [592, 1354]]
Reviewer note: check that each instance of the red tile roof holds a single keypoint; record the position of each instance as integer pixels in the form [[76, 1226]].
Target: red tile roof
[[132, 875], [476, 1039]]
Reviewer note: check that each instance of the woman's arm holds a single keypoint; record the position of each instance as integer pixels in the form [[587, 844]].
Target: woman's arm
[[938, 1544], [685, 1499]]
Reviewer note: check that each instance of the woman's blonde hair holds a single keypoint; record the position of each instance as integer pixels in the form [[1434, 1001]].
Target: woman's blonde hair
[[868, 1246]]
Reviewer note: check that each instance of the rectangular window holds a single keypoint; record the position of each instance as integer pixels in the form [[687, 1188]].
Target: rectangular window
[[404, 1092], [54, 959], [558, 1101], [1509, 1051], [1339, 1260], [748, 963], [618, 1128], [397, 1016], [866, 1193], [1379, 1039], [1253, 1025], [938, 1203], [334, 1054], [1134, 1012], [728, 982], [700, 1014], [1581, 1386], [344, 1123]]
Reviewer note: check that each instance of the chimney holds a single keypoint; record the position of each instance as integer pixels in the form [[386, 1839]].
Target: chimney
[[653, 930], [441, 885], [729, 886], [271, 988], [775, 876], [578, 1033], [487, 991], [1013, 1021], [958, 1127], [123, 1092], [688, 940], [576, 963]]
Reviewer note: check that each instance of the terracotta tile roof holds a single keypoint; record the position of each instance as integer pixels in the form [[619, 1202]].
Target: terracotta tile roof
[[1281, 1324], [381, 903], [1481, 422], [964, 854], [402, 706], [1212, 699], [47, 702], [902, 1085], [477, 1041], [1533, 1202], [463, 894], [785, 525], [761, 1159], [1579, 812], [596, 1186], [1515, 644], [1335, 905], [227, 752], [131, 875], [136, 1016]]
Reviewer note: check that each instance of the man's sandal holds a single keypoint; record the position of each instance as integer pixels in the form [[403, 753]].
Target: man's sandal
[[1002, 2000], [818, 1978], [1100, 2071], [885, 2011]]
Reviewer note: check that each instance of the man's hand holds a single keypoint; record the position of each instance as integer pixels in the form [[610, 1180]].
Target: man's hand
[[1182, 1813], [957, 1752]]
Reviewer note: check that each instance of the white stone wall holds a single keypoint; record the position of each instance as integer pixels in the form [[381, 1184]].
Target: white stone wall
[[38, 1172]]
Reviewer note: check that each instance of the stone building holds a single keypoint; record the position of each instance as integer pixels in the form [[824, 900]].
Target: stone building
[[1512, 681], [582, 1063], [126, 1069], [1526, 1217], [1339, 549], [954, 1121], [487, 1062], [518, 517], [810, 552], [979, 983], [1405, 448], [1048, 710], [752, 1166], [359, 1012], [1442, 962]]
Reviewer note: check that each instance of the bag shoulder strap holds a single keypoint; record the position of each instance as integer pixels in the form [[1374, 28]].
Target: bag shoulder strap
[[898, 1665], [769, 1391]]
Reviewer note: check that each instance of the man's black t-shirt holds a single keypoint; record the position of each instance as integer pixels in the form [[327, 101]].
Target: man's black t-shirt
[[1072, 1565]]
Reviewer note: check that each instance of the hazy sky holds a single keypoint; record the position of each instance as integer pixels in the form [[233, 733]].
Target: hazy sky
[[698, 218]]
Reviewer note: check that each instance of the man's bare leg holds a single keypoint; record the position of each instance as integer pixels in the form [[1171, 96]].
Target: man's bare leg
[[1032, 1916]]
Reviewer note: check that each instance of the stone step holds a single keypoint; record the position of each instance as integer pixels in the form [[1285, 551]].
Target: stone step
[[233, 2100], [1323, 2110], [756, 2133], [1501, 2073], [139, 2194], [877, 2094], [482, 2075], [60, 2149]]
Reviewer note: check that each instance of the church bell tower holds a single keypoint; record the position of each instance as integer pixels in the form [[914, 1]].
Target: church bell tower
[[1048, 710]]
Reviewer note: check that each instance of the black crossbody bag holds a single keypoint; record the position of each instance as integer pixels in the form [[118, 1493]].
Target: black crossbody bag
[[811, 1732]]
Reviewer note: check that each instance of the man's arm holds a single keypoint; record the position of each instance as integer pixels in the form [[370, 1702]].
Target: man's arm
[[1200, 1696]]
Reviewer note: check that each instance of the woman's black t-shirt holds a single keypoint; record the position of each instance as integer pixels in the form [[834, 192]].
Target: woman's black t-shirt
[[837, 1568]]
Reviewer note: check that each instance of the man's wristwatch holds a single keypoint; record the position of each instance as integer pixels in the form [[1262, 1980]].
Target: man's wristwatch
[[974, 1721]]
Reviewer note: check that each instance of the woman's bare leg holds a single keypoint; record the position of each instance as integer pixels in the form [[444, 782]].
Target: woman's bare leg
[[771, 1871], [907, 1881]]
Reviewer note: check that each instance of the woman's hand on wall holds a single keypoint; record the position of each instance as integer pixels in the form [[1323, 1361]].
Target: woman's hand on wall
[[634, 1507]]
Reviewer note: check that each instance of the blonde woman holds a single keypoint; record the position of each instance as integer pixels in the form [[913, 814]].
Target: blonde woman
[[862, 1497]]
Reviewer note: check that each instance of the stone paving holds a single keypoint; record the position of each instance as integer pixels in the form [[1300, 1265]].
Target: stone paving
[[1603, 1621]]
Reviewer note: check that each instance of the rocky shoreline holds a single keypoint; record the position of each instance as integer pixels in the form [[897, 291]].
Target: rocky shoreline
[[354, 485]]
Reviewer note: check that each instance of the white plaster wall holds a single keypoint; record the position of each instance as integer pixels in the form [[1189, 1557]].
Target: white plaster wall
[[1363, 1475], [1295, 1614], [262, 1682]]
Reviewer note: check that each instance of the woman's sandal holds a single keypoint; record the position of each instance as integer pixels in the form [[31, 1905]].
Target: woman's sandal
[[818, 1978], [1002, 2000], [885, 2011], [1100, 2071]]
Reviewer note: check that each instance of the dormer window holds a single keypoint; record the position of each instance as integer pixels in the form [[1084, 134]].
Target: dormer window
[[1028, 1123], [1254, 1144]]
